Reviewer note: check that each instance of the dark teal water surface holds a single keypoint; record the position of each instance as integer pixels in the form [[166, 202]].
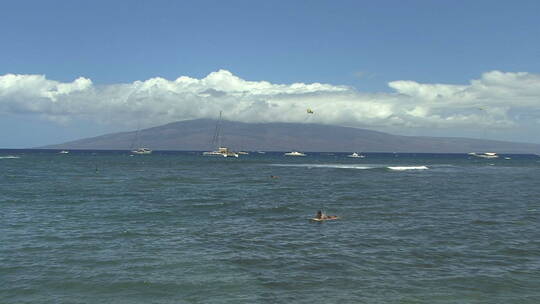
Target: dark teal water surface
[[107, 227]]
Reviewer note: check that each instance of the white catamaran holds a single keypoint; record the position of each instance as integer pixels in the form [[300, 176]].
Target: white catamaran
[[141, 150], [220, 151]]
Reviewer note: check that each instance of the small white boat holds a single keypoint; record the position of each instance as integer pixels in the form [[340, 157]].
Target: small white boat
[[137, 142], [356, 155], [63, 152], [294, 153], [142, 151], [222, 151], [485, 155]]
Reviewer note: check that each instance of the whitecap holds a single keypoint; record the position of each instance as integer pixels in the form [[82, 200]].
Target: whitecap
[[353, 166], [9, 157], [331, 166], [404, 168]]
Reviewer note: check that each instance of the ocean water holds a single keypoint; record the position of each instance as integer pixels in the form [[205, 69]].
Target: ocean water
[[177, 227]]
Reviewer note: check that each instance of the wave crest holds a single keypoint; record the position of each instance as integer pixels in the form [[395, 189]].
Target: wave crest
[[353, 166], [404, 168]]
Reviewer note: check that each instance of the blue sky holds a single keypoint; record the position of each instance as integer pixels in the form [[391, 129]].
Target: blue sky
[[360, 45]]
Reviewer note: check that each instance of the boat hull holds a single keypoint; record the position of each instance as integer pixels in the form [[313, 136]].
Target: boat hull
[[294, 153], [142, 151]]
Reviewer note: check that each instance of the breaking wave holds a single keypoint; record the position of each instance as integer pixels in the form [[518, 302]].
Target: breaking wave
[[332, 166], [404, 168], [353, 166]]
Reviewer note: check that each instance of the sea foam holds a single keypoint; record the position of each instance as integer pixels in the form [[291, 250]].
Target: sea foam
[[331, 166], [404, 168], [352, 166]]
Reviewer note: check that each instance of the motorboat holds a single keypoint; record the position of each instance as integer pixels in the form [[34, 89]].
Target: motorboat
[[356, 155], [294, 153], [142, 151]]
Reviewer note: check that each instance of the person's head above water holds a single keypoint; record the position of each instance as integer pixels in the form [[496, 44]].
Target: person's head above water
[[319, 214]]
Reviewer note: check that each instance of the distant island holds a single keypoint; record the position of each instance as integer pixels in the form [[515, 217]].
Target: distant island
[[196, 135]]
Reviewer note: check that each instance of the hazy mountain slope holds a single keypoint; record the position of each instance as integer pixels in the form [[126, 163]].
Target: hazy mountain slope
[[197, 135]]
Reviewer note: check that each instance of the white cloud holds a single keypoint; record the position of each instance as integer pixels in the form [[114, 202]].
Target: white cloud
[[497, 99]]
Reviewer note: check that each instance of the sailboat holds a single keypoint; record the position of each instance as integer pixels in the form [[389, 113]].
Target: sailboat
[[141, 150], [221, 151]]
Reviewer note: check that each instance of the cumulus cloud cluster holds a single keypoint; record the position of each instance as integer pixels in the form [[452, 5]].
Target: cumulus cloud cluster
[[496, 99]]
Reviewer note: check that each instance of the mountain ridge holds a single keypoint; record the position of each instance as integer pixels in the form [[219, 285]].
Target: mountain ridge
[[196, 135]]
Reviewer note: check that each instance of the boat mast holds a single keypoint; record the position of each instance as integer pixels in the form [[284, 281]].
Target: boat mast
[[219, 130], [217, 138], [135, 141]]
